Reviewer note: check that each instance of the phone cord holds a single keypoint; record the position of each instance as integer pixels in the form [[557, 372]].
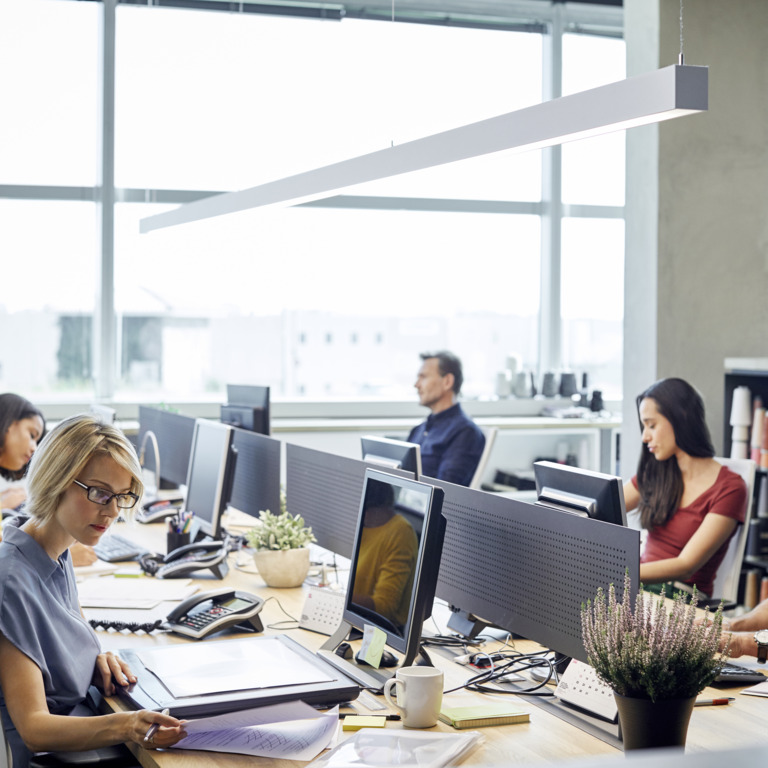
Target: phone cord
[[131, 626]]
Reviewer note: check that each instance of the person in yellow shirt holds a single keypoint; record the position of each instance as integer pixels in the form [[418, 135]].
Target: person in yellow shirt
[[387, 556]]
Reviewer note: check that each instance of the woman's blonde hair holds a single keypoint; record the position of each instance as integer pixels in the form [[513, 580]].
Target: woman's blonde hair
[[64, 453]]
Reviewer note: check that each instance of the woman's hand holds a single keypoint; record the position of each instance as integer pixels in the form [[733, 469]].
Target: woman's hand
[[110, 669], [82, 554], [12, 497], [169, 731]]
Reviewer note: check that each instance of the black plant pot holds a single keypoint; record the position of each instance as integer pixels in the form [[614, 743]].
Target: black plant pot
[[646, 724]]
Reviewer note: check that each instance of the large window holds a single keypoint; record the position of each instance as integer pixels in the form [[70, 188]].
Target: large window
[[331, 300]]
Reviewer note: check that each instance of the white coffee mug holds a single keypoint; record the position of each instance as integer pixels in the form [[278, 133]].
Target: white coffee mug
[[419, 693]]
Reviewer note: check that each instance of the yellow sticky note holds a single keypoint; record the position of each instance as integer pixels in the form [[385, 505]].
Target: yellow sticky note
[[356, 722], [374, 640]]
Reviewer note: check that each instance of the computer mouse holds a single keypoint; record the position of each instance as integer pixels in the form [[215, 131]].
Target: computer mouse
[[344, 650], [388, 659]]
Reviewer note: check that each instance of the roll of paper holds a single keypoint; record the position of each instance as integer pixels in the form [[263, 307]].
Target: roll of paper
[[756, 440], [762, 497], [741, 407], [739, 449], [752, 589]]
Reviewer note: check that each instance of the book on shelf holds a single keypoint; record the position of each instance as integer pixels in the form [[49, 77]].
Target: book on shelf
[[484, 714]]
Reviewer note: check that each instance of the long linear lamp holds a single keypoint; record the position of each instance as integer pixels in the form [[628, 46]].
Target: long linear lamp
[[649, 98]]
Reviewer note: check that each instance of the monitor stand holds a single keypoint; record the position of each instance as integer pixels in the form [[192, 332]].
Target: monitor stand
[[369, 677]]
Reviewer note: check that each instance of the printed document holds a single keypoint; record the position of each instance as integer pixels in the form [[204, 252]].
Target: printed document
[[290, 731]]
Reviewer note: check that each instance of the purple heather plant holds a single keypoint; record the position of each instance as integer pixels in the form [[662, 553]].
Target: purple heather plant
[[652, 653]]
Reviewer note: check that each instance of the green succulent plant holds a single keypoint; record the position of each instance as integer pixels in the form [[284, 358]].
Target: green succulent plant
[[281, 531]]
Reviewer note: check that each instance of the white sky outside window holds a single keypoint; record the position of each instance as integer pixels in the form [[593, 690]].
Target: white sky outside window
[[276, 96], [49, 128], [593, 169]]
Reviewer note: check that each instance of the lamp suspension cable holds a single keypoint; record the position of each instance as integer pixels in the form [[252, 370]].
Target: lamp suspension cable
[[681, 58]]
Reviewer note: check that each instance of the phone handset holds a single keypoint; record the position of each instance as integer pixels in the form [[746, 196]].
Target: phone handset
[[210, 555], [204, 613]]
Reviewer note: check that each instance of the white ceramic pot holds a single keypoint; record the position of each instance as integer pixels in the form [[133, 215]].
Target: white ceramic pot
[[282, 567]]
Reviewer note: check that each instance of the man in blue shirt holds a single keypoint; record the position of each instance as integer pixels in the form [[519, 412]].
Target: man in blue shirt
[[451, 443]]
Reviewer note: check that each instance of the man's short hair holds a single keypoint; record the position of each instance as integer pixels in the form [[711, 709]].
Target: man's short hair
[[447, 363]]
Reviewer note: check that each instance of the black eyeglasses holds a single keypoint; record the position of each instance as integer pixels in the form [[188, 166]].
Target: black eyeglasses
[[103, 496]]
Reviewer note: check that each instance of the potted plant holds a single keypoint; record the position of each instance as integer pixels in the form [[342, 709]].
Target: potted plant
[[656, 659], [280, 543]]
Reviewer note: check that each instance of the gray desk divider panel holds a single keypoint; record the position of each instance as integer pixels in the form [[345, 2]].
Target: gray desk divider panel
[[325, 489], [528, 569], [256, 484], [174, 433]]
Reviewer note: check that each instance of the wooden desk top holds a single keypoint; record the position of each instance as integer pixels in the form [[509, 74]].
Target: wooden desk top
[[546, 738]]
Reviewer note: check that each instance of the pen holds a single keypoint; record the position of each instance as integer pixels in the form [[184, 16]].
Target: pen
[[713, 702], [152, 730], [357, 714]]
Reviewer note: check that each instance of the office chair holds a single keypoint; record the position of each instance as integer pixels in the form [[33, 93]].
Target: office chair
[[490, 438], [726, 586]]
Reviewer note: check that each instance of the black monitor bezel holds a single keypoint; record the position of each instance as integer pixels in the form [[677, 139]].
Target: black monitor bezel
[[426, 569], [227, 457], [580, 491], [395, 454]]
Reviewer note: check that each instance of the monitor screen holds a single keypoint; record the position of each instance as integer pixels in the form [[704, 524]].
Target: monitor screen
[[209, 476], [580, 491], [325, 489], [396, 559], [174, 433], [247, 408], [394, 454], [256, 483]]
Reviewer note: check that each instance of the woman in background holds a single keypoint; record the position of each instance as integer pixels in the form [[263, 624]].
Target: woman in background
[[22, 427], [79, 479], [690, 504]]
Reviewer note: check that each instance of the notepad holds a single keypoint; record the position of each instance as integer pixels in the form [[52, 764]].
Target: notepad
[[356, 722], [483, 714]]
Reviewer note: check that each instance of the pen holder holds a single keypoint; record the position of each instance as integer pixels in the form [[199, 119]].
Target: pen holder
[[175, 540]]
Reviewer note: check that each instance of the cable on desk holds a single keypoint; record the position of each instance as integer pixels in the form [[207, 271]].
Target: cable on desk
[[278, 624], [452, 641], [515, 662], [131, 626]]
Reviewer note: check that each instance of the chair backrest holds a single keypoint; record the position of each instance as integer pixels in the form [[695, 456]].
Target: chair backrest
[[490, 439], [726, 584]]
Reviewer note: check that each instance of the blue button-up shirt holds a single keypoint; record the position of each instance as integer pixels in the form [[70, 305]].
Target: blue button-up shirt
[[40, 615], [451, 445]]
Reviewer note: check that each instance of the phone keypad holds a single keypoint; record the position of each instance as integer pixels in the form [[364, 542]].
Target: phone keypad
[[203, 618]]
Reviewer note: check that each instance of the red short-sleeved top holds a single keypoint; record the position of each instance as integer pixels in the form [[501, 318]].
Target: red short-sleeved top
[[727, 496]]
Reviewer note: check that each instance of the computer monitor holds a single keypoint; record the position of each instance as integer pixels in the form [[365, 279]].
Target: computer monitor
[[209, 476], [528, 569], [394, 454], [325, 489], [174, 433], [392, 587], [256, 483], [580, 491], [247, 407]]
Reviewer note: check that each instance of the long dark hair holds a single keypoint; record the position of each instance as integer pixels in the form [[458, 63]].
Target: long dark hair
[[14, 408], [660, 482]]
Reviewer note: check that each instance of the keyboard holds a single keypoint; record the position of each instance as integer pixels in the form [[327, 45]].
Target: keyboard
[[734, 674], [114, 547]]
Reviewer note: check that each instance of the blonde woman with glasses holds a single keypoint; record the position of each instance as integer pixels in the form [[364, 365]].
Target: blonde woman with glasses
[[80, 478]]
